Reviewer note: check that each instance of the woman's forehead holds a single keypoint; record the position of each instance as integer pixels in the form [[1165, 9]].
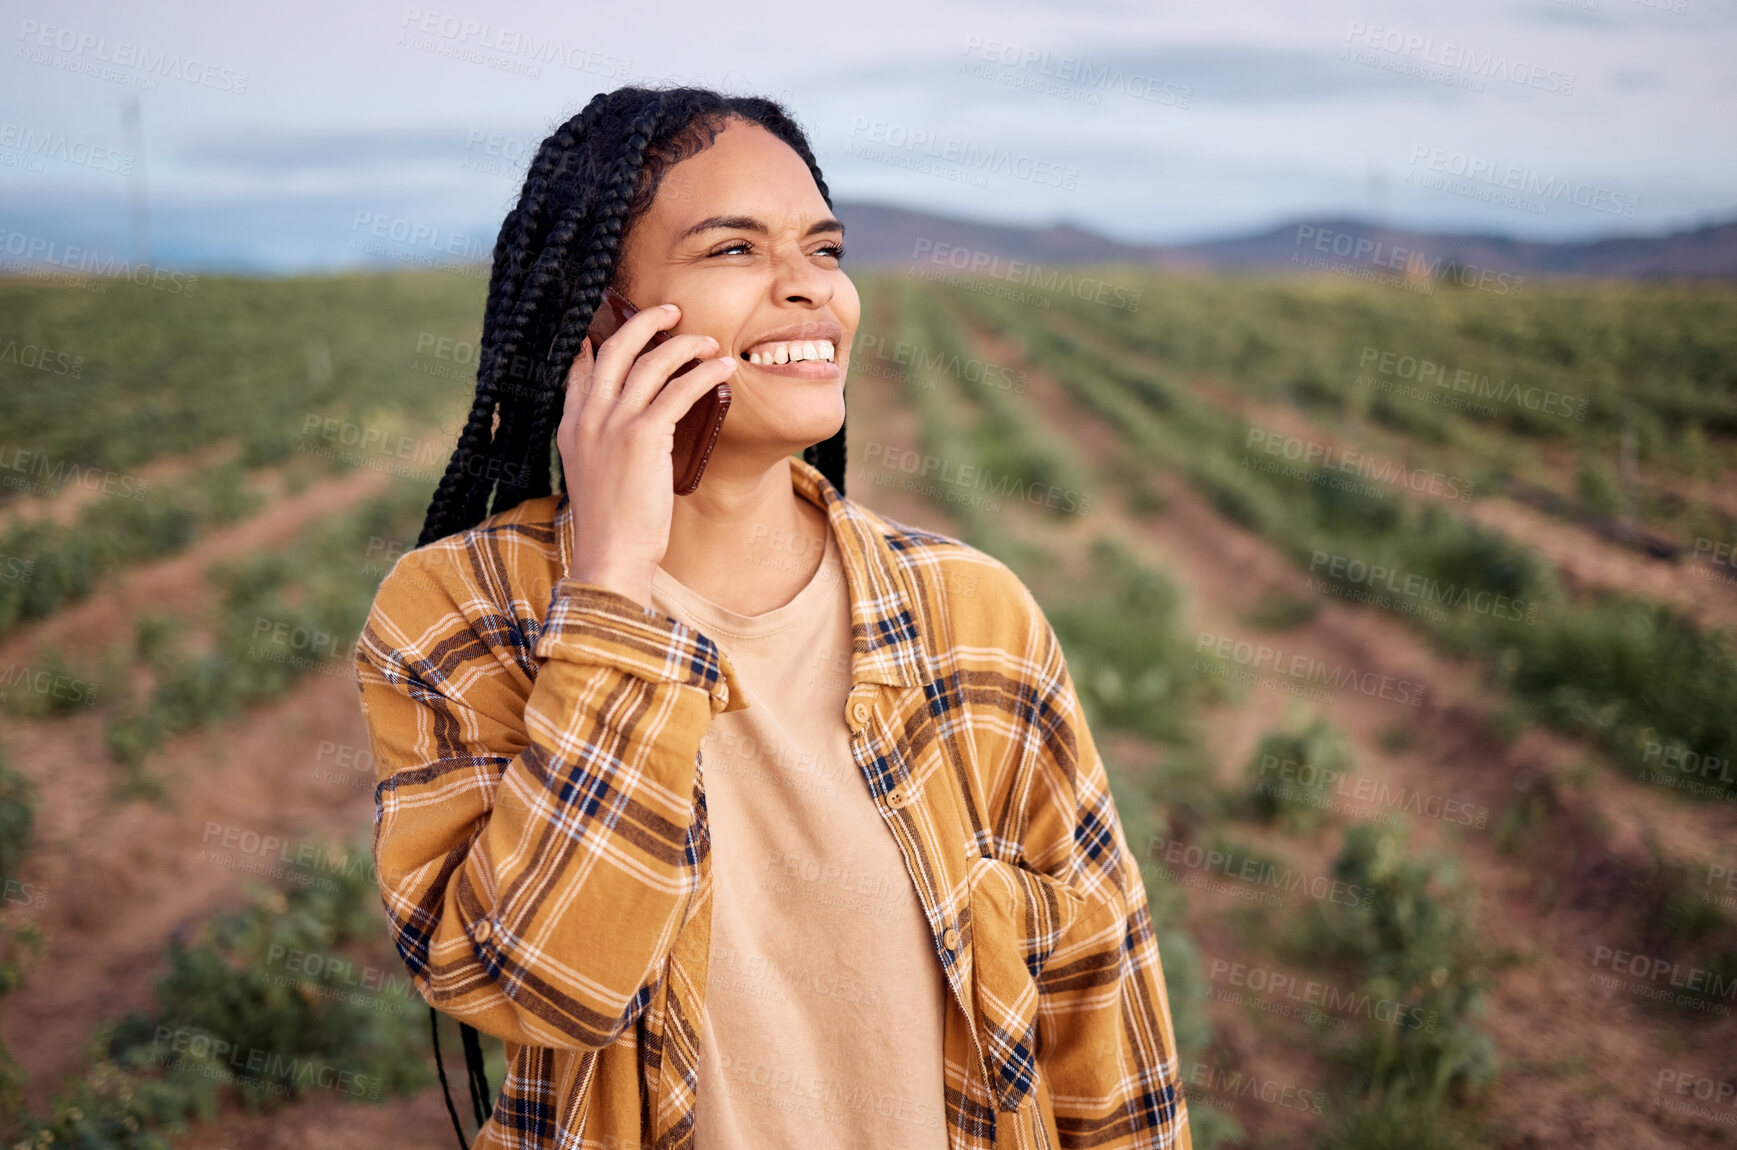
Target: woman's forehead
[[747, 173]]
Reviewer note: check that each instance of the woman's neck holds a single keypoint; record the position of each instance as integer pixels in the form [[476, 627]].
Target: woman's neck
[[745, 539]]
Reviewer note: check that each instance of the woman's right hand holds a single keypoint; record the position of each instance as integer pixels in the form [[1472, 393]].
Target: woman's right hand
[[617, 442]]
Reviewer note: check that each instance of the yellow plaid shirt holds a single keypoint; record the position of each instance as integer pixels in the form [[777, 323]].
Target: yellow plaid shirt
[[542, 846]]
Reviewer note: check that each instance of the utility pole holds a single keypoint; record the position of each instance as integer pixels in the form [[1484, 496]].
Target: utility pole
[[136, 182]]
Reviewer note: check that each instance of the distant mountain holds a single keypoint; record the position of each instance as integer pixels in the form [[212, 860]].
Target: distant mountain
[[883, 235]]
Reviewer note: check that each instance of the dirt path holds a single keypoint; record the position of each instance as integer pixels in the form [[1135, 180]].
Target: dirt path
[[327, 1122], [1585, 559], [1590, 563], [177, 582], [63, 507], [264, 773], [1548, 1006]]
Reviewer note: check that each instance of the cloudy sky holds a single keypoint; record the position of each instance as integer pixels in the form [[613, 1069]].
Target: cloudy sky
[[290, 136]]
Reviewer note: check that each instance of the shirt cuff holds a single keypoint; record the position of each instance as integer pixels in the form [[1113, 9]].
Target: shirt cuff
[[586, 623]]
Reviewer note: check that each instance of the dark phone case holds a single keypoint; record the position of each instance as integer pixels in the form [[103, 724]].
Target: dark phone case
[[696, 433]]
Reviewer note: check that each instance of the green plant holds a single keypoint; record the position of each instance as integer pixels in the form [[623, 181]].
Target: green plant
[[48, 686], [1409, 940], [1291, 774], [17, 799], [294, 993], [1126, 649]]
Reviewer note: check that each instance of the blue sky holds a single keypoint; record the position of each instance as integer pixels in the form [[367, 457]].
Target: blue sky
[[288, 136]]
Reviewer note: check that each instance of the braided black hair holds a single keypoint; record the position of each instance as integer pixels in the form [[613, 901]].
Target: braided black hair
[[591, 179]]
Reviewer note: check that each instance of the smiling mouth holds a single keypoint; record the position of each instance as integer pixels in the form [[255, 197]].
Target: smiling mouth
[[791, 351]]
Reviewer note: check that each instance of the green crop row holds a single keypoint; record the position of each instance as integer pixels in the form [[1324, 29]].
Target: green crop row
[[295, 994], [56, 565], [282, 613], [1634, 676], [1405, 940], [162, 374]]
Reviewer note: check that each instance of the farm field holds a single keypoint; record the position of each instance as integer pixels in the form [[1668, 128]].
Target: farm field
[[1404, 623]]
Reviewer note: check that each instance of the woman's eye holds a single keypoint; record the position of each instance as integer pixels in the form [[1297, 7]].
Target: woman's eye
[[744, 247]]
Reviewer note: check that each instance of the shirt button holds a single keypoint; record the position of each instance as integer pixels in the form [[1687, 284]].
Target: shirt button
[[950, 938], [896, 799], [484, 930], [859, 711]]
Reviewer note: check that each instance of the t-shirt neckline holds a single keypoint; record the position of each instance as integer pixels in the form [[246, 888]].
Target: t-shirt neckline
[[715, 618]]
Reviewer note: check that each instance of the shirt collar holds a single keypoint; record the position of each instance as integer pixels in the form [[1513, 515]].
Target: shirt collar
[[887, 643]]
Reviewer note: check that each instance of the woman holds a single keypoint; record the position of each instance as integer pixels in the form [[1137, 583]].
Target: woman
[[748, 818]]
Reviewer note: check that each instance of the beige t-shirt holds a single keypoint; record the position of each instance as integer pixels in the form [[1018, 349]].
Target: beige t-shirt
[[825, 998]]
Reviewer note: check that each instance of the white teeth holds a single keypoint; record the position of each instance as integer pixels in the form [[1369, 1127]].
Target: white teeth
[[818, 349]]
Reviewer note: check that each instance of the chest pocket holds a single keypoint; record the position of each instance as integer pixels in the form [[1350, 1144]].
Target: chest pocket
[[1020, 919]]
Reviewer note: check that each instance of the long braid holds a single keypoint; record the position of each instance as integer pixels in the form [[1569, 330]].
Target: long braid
[[458, 501], [514, 253], [586, 294]]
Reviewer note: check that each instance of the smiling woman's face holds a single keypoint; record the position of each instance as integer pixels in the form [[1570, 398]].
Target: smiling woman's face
[[740, 239]]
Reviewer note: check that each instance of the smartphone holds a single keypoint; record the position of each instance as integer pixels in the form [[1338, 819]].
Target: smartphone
[[696, 433]]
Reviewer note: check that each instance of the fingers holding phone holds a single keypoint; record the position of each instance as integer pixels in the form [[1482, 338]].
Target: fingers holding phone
[[617, 438]]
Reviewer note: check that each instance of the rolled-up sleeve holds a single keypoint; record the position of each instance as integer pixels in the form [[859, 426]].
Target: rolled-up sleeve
[[535, 837]]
